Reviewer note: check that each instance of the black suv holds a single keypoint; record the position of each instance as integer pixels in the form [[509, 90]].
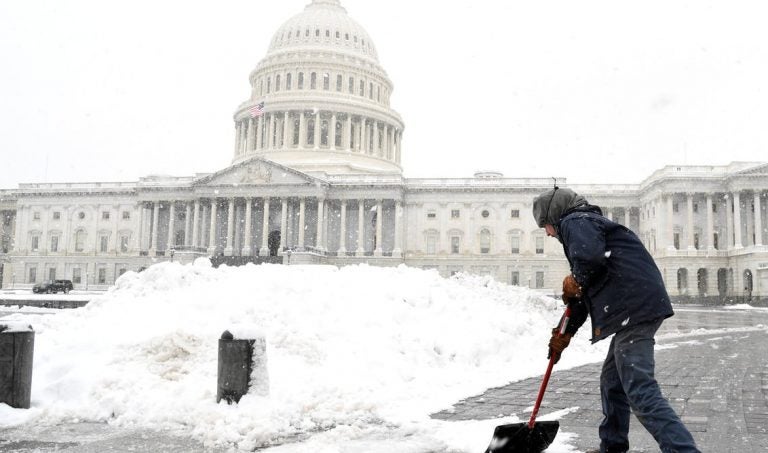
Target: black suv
[[53, 286]]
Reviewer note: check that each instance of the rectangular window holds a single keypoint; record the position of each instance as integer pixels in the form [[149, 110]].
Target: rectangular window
[[126, 215], [288, 81], [675, 207], [121, 271], [515, 213], [695, 207], [715, 244], [326, 81], [677, 240], [431, 244], [76, 275], [103, 244], [362, 88], [515, 243], [123, 244], [102, 275], [105, 215], [539, 279], [351, 85], [56, 215], [51, 273], [339, 82], [300, 83], [455, 242], [514, 278], [32, 275], [35, 243], [455, 213], [539, 245], [714, 207], [431, 215], [36, 216], [54, 244], [696, 241]]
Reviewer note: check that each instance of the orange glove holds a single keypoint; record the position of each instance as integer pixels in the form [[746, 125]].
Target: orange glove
[[571, 289], [558, 343]]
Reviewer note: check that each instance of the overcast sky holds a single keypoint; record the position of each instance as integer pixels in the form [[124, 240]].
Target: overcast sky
[[595, 91]]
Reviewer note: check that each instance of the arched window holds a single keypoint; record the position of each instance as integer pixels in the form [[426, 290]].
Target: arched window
[[337, 140], [324, 133], [515, 237], [682, 281], [300, 82], [296, 126], [288, 80], [313, 81], [339, 82], [485, 241], [701, 281], [311, 131], [722, 282]]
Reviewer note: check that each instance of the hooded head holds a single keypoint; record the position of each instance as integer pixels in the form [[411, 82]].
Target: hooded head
[[549, 207]]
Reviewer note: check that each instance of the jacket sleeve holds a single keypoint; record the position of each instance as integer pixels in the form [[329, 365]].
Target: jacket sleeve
[[585, 247], [579, 313]]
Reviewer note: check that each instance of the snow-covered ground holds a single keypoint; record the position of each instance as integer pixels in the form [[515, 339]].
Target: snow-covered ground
[[358, 356]]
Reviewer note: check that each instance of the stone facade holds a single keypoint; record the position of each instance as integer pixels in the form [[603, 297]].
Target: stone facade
[[316, 178]]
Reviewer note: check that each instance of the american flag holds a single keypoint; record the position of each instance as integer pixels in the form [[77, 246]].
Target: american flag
[[257, 110]]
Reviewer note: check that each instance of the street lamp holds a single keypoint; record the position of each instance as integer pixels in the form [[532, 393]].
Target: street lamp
[[173, 252], [289, 252]]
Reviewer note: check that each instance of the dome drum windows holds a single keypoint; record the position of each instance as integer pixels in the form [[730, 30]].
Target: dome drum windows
[[288, 81], [300, 81], [326, 81], [313, 81]]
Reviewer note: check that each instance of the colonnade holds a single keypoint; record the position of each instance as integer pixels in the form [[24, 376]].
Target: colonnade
[[741, 225], [316, 130], [254, 225]]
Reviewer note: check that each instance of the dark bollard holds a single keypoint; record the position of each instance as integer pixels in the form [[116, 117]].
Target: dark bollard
[[237, 360], [17, 345]]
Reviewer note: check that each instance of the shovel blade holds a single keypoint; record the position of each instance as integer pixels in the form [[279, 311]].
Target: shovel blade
[[518, 438]]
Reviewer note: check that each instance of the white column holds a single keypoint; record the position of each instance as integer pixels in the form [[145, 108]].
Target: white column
[[689, 227], [348, 134], [360, 228], [379, 222], [237, 137], [670, 224], [188, 224], [247, 243], [728, 221], [142, 229], [398, 251], [265, 230], [710, 224], [302, 221], [171, 225], [212, 230], [283, 222], [259, 132], [317, 129], [250, 146], [302, 130], [155, 217], [627, 219], [230, 227], [320, 218], [737, 221], [758, 220], [286, 129], [343, 229], [361, 145], [375, 149], [195, 222]]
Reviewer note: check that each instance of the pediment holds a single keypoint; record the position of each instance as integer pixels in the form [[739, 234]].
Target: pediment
[[257, 171], [758, 170]]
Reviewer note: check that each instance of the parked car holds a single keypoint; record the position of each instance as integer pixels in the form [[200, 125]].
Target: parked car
[[53, 286]]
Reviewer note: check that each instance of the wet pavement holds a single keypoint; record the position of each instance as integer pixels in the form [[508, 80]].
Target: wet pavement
[[717, 381]]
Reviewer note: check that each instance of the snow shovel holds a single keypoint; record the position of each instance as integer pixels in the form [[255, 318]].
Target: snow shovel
[[531, 437]]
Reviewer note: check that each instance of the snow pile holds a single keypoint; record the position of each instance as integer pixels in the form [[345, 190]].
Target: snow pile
[[348, 350]]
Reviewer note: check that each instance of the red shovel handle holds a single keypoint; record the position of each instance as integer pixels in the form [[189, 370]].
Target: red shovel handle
[[545, 381]]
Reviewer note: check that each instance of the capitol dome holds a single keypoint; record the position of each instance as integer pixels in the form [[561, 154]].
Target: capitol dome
[[320, 100]]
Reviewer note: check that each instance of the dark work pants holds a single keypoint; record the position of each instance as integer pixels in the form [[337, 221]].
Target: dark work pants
[[627, 383]]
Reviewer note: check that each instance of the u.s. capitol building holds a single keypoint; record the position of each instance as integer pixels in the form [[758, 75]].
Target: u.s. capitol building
[[316, 178]]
